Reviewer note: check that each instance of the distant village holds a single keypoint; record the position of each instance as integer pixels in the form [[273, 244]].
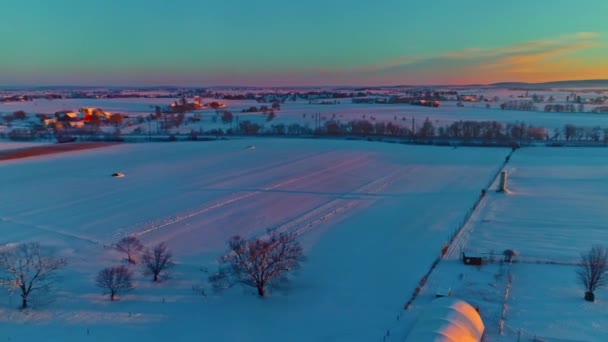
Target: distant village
[[251, 110]]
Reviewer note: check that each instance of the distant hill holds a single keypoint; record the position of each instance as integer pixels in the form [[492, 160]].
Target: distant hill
[[557, 84]]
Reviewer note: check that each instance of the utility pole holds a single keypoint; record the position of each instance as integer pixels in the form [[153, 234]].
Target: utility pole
[[413, 126], [318, 121]]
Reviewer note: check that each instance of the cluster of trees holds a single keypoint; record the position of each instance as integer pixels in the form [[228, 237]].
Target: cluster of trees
[[568, 107], [173, 120], [579, 133], [485, 130], [263, 109], [458, 130], [227, 116], [541, 98], [600, 110], [22, 134], [17, 115], [249, 128], [519, 105], [155, 261], [259, 263]]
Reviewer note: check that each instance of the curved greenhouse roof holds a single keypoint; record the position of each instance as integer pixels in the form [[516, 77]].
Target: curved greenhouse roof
[[448, 319]]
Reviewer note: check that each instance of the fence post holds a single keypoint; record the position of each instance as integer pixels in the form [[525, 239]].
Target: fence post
[[519, 335]]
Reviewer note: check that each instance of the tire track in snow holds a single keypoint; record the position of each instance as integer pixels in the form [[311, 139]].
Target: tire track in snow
[[223, 178], [322, 213], [57, 232], [168, 222], [267, 167]]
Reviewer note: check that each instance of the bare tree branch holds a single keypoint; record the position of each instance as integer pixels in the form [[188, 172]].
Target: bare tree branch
[[130, 246], [27, 270], [594, 268], [157, 261], [115, 280], [258, 263]]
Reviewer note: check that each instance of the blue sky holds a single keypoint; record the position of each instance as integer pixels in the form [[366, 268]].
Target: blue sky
[[271, 42]]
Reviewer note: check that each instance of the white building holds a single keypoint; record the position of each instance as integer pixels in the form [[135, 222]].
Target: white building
[[447, 319]]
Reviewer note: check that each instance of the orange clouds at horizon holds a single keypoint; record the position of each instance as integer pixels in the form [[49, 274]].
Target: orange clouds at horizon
[[574, 56]]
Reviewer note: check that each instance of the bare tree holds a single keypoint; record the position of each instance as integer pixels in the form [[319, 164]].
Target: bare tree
[[28, 270], [157, 261], [115, 280], [130, 245], [258, 263], [593, 269]]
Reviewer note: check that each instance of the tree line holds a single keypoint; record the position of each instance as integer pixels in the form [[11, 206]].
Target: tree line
[[33, 271]]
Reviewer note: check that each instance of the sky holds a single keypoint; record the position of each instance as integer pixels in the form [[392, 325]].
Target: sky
[[301, 43]]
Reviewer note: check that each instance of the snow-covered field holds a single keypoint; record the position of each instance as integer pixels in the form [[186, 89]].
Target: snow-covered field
[[141, 106], [547, 301], [554, 210], [6, 145], [373, 217]]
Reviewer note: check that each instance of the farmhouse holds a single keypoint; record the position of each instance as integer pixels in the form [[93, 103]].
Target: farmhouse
[[89, 112], [448, 319], [66, 115]]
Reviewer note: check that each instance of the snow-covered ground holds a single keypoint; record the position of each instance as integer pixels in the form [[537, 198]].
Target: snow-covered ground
[[553, 211], [547, 301], [555, 208], [6, 145], [373, 217], [140, 106]]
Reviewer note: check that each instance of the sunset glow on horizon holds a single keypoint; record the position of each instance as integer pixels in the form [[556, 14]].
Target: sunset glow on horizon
[[312, 43]]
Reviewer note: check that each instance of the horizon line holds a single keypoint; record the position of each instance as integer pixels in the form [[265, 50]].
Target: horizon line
[[300, 86]]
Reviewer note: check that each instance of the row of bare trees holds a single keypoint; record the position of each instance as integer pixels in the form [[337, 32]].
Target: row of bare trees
[[483, 130], [259, 263]]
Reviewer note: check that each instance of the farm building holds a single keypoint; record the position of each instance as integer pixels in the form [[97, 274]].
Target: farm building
[[448, 319], [472, 259]]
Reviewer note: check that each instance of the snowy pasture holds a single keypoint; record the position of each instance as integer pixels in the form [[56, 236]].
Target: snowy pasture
[[555, 208], [547, 301], [13, 145], [553, 211], [372, 218]]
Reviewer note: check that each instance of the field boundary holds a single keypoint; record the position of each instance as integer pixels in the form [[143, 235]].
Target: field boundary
[[35, 151]]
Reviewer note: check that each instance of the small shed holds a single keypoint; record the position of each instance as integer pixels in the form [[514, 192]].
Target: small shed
[[447, 319], [471, 259], [443, 292]]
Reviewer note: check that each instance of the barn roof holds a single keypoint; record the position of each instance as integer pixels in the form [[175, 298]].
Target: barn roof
[[447, 319]]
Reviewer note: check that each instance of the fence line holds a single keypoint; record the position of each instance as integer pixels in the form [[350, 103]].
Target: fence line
[[522, 335]]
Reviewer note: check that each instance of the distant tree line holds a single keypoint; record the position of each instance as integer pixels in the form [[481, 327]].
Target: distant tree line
[[461, 130], [568, 107]]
